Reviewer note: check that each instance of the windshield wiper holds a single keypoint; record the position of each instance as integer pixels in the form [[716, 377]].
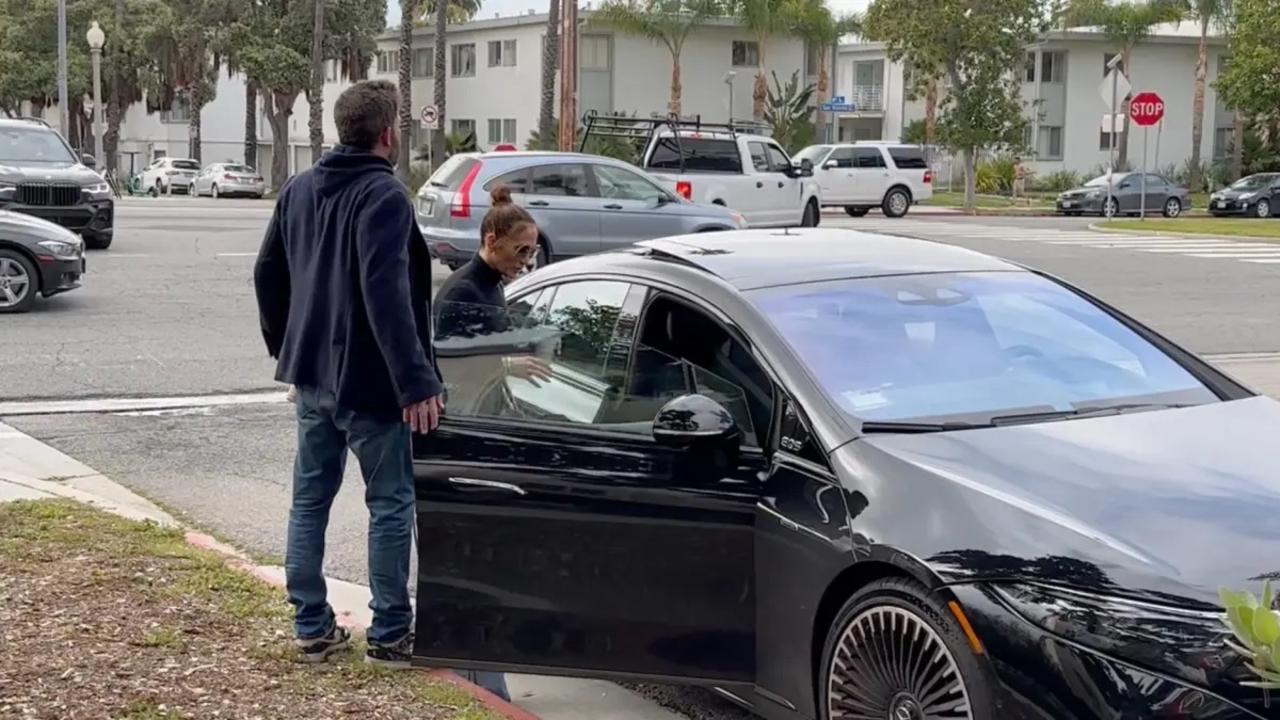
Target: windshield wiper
[[1082, 412], [914, 427]]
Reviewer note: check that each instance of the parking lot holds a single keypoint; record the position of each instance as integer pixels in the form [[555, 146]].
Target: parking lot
[[170, 311]]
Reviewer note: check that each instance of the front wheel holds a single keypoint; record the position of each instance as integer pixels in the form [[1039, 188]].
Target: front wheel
[[155, 190], [811, 215], [856, 211], [1110, 208], [896, 651], [213, 192], [1262, 209], [1172, 207], [18, 282], [896, 203]]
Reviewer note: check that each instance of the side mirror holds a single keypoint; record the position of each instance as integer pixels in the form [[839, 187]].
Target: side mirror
[[705, 433], [831, 165], [89, 160]]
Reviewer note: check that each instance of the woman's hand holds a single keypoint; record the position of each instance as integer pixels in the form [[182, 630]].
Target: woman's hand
[[528, 367]]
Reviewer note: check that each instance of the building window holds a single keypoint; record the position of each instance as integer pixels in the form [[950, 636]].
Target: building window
[[389, 61], [178, 113], [1222, 143], [424, 62], [1030, 75], [462, 127], [812, 59], [502, 131], [593, 52], [746, 53], [1050, 145], [1052, 67], [502, 53], [463, 60]]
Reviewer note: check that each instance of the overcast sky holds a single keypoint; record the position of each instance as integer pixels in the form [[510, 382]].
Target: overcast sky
[[517, 7]]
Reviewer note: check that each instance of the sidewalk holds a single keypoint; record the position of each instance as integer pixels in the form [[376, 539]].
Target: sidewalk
[[31, 470]]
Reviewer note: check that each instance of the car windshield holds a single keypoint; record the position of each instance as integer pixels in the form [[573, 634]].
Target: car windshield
[[33, 145], [186, 164], [970, 347], [1101, 180], [238, 169], [813, 153], [1253, 182]]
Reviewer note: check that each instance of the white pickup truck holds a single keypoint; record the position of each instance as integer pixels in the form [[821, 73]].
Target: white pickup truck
[[717, 164]]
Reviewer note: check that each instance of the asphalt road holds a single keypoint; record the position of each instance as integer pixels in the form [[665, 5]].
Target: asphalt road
[[169, 310]]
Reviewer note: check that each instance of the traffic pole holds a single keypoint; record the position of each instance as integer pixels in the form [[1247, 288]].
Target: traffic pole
[[1142, 204]]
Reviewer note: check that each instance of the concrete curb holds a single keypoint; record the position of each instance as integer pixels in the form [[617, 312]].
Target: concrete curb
[[30, 469], [1099, 228]]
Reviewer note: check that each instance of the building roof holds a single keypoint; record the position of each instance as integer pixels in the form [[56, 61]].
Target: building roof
[[531, 17], [1184, 32]]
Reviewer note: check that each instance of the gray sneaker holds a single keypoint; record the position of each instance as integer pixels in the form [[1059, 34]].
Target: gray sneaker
[[317, 650], [397, 655]]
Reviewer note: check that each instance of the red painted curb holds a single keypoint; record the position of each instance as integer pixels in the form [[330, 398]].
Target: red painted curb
[[241, 562]]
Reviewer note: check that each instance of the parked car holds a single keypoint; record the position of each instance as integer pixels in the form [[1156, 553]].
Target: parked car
[[582, 203], [1017, 503], [37, 258], [228, 180], [1125, 197], [41, 175], [1257, 195], [167, 175], [865, 175]]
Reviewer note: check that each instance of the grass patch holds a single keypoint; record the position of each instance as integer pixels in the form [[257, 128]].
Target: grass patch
[[989, 202], [1227, 227], [167, 631]]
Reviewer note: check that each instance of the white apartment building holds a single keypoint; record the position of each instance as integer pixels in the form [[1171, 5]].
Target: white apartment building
[[494, 87], [1061, 78]]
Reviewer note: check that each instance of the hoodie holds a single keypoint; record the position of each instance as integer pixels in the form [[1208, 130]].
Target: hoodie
[[343, 281]]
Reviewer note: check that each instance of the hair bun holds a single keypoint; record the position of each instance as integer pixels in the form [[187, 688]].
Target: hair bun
[[501, 195]]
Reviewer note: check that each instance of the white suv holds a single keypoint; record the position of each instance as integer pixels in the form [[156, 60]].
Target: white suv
[[863, 175], [167, 175]]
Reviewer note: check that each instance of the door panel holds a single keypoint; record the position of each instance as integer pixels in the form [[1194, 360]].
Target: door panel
[[837, 183], [871, 176], [766, 210], [785, 189], [562, 204], [632, 208]]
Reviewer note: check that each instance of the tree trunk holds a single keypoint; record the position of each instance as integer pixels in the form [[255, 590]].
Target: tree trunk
[[115, 97], [970, 179], [673, 103], [761, 90], [1122, 144], [819, 117], [550, 63], [1237, 146], [315, 95], [1194, 181], [279, 107], [75, 132], [406, 87], [194, 131], [437, 137], [931, 112], [251, 123]]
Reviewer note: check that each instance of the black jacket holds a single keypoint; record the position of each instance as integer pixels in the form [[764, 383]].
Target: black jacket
[[344, 286], [471, 302]]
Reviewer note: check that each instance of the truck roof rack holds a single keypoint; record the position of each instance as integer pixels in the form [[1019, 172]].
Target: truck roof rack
[[640, 131]]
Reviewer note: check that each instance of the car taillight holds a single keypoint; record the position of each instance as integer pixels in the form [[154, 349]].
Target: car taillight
[[928, 177], [228, 176], [684, 189], [461, 206], [258, 179]]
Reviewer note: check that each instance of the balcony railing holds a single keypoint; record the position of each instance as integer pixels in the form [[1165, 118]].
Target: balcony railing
[[867, 98]]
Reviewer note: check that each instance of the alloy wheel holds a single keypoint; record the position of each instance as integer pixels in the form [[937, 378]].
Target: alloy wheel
[[889, 663], [1173, 207], [898, 203], [1263, 208], [1111, 208], [15, 283], [214, 192]]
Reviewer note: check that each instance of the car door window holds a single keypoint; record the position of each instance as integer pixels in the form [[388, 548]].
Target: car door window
[[561, 180], [867, 158], [1155, 181], [516, 180], [621, 184], [759, 156], [843, 157], [778, 160]]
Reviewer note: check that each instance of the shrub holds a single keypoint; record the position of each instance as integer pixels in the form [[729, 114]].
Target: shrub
[[995, 176], [1058, 181], [1256, 630]]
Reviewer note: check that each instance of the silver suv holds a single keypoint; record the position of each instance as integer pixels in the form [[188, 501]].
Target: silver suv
[[582, 203]]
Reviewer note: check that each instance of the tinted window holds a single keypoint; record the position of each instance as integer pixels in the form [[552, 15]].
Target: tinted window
[[778, 160], [969, 346], [38, 145], [908, 158], [1155, 180], [843, 157], [867, 158], [451, 174], [759, 156], [517, 180], [622, 184], [238, 168], [566, 180], [186, 164], [700, 155]]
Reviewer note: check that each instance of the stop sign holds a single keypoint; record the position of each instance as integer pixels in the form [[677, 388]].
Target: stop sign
[[1146, 109]]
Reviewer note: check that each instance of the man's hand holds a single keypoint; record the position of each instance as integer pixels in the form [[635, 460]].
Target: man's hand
[[424, 417], [529, 367]]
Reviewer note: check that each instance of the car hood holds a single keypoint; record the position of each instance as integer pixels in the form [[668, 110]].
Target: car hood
[[48, 172], [1172, 504], [20, 225], [1235, 194], [1082, 191]]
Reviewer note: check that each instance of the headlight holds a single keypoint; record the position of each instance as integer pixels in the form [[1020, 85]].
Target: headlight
[[1094, 193], [60, 248], [1186, 643], [96, 188]]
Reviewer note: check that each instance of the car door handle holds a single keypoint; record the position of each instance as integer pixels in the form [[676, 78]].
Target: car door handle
[[759, 183], [613, 206], [539, 203], [464, 483]]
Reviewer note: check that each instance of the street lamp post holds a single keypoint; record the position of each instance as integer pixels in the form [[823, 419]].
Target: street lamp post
[[728, 80], [64, 113], [1113, 67], [96, 39]]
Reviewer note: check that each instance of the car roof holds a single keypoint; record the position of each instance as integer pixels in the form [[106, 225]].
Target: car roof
[[753, 259]]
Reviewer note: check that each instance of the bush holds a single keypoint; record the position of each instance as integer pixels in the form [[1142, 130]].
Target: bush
[[1058, 181], [995, 176], [419, 173], [1256, 634]]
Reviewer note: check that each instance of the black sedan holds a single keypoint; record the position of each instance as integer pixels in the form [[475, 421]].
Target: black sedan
[[1126, 196], [1253, 196], [37, 257], [841, 475]]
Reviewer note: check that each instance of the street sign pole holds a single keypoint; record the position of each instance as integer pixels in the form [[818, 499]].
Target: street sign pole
[[1111, 152], [1146, 109], [1142, 204]]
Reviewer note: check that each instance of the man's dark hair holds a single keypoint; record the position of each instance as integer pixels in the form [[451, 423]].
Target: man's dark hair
[[363, 111]]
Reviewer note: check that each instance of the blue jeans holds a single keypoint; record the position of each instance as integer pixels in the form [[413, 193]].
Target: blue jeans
[[325, 432]]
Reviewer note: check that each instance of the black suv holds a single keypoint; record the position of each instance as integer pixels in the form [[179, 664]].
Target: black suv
[[40, 175]]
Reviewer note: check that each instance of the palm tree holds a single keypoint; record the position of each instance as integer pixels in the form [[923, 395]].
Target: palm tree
[[764, 18], [550, 63], [1125, 25], [315, 94], [1206, 12], [821, 30], [668, 22], [409, 11]]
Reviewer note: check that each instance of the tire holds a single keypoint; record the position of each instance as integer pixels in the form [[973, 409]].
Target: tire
[[1172, 207], [155, 190], [1110, 207], [1262, 209], [98, 241], [811, 215], [213, 191], [911, 621], [856, 211], [19, 283], [896, 203]]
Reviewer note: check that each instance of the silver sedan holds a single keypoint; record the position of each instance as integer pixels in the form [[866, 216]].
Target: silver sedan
[[228, 179]]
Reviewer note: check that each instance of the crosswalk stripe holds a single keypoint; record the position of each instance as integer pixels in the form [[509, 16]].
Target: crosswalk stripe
[[1237, 255], [1268, 261], [1201, 248]]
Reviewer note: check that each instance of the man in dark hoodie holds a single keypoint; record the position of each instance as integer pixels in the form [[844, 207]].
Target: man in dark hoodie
[[343, 282]]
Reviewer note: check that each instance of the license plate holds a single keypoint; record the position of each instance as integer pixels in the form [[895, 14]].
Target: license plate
[[1222, 203], [1068, 204], [428, 206]]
